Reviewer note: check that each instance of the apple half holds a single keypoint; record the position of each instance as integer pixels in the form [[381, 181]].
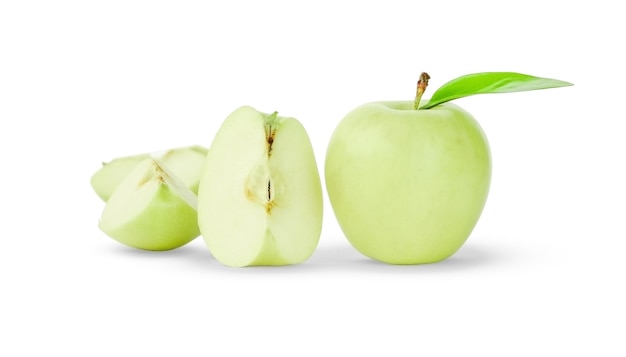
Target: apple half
[[151, 209], [260, 196], [185, 162]]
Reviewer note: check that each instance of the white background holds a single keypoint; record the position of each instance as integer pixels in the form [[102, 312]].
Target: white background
[[82, 82]]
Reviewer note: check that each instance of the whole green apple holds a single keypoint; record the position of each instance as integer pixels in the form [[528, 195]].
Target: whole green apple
[[408, 182], [407, 186]]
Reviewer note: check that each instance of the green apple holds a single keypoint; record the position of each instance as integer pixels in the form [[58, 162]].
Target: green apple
[[260, 196], [151, 209], [407, 186], [407, 182], [185, 162]]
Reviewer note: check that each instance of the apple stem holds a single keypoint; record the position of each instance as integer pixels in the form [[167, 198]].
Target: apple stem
[[422, 83]]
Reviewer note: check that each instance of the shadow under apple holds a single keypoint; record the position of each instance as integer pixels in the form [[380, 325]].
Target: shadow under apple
[[345, 258], [338, 257]]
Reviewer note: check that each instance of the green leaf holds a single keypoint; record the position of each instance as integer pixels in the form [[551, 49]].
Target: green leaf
[[490, 82]]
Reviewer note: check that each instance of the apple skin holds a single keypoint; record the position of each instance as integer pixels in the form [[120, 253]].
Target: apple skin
[[407, 186], [167, 223]]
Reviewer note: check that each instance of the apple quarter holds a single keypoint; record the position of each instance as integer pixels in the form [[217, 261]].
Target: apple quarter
[[151, 209], [185, 162]]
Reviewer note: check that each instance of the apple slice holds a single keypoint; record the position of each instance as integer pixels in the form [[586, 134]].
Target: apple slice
[[151, 209], [260, 196], [185, 162]]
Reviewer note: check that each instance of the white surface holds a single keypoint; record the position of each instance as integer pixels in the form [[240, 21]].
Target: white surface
[[81, 83]]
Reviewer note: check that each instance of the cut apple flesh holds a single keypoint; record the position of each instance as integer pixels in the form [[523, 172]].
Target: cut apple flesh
[[108, 177], [151, 209], [185, 162], [260, 197]]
